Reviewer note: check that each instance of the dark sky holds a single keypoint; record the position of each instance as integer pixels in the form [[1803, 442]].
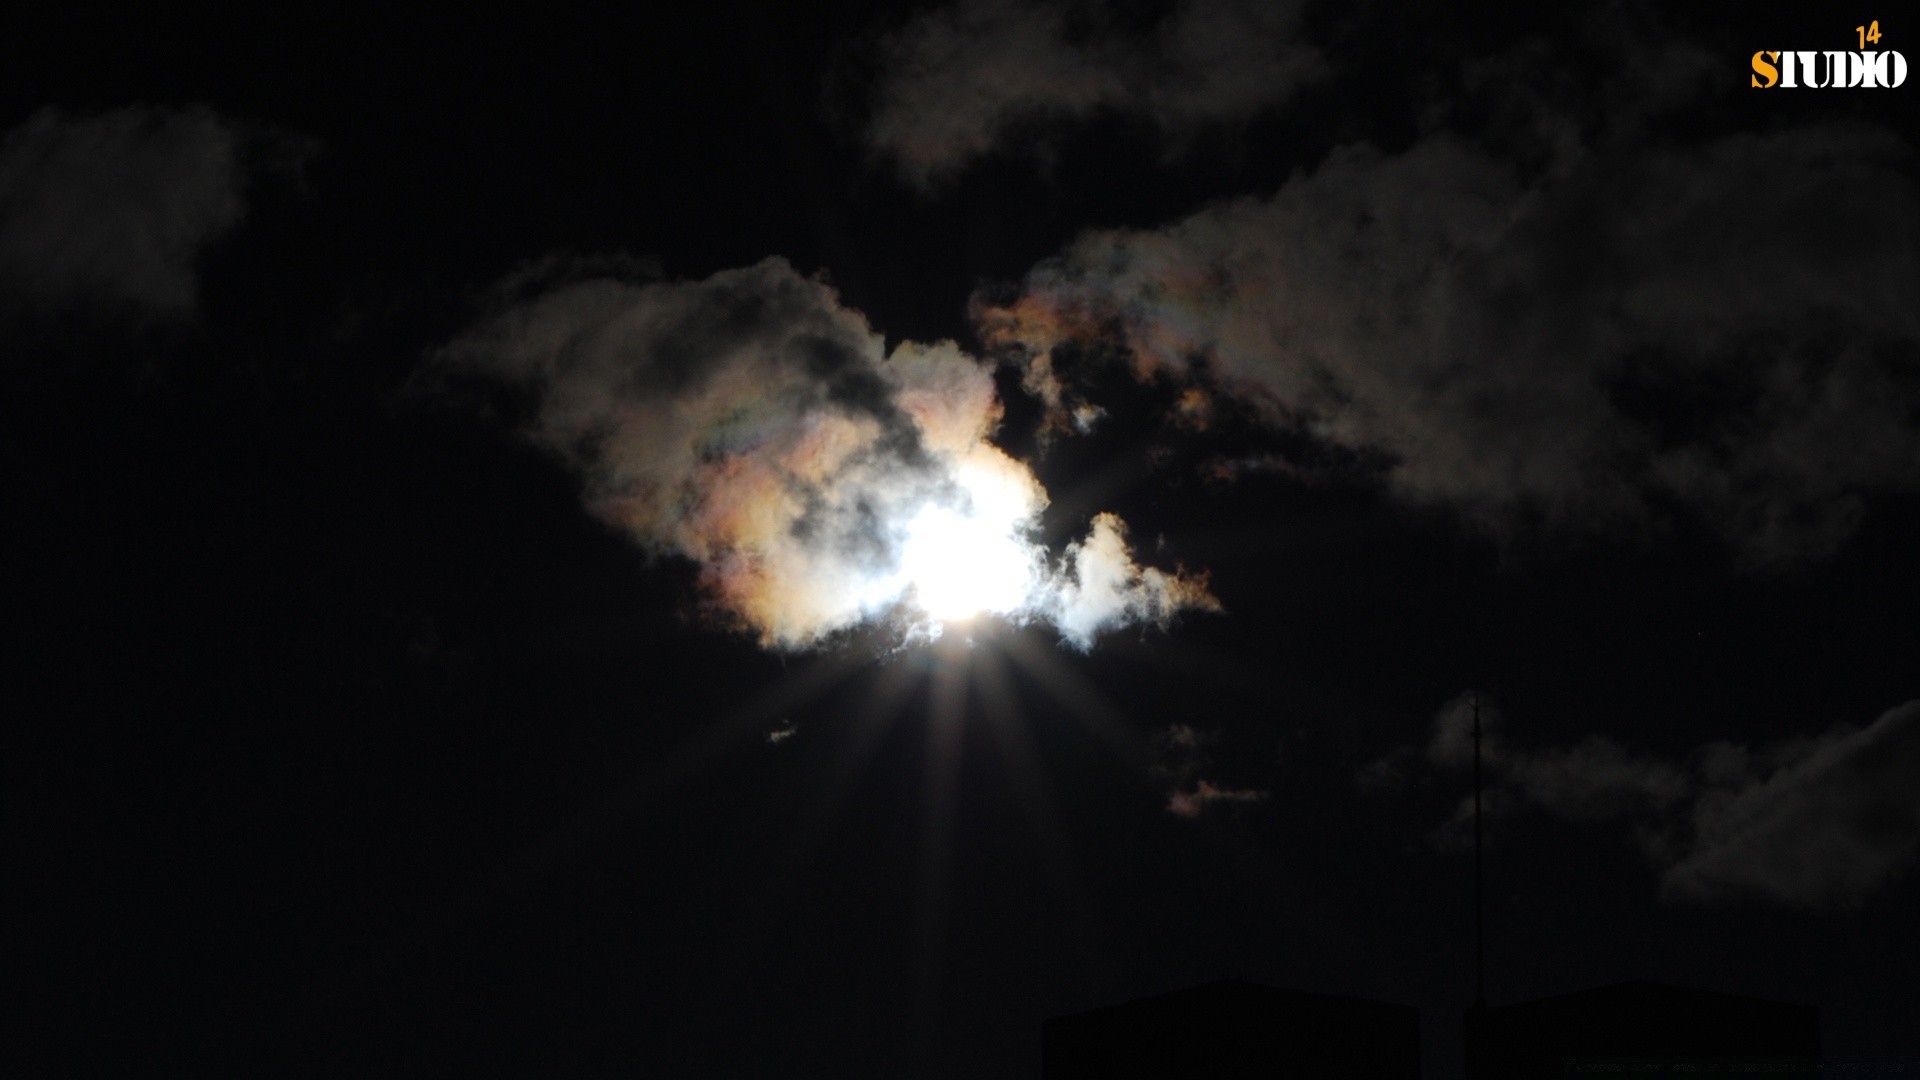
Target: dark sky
[[398, 687]]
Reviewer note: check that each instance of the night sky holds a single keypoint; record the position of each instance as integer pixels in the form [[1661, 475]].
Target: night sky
[[748, 541]]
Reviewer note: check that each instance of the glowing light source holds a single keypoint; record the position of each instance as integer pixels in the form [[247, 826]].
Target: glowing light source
[[970, 550], [962, 564]]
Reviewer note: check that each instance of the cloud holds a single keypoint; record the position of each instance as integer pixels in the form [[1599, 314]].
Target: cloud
[[1817, 822], [752, 424], [1594, 779], [115, 209], [1647, 333], [958, 82], [1824, 824], [1102, 586], [1452, 741], [1181, 751], [1182, 754], [1597, 779], [1190, 804]]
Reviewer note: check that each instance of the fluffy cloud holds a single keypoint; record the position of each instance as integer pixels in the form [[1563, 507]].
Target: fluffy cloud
[[1820, 822], [752, 424], [115, 209], [956, 82], [1719, 332], [1101, 586]]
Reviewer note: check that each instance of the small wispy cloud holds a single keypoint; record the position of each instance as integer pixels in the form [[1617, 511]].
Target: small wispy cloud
[[1190, 804], [1182, 753]]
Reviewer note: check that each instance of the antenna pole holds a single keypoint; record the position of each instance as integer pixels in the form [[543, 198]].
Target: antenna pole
[[1479, 886]]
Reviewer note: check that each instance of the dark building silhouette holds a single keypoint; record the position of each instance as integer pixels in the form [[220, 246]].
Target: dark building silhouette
[[1645, 1030], [1231, 1030]]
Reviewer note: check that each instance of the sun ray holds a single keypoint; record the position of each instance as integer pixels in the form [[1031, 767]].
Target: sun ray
[[1006, 719], [795, 688], [885, 699], [1083, 700], [535, 861], [946, 717]]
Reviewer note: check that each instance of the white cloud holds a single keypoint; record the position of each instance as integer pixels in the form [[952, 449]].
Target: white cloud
[[752, 424]]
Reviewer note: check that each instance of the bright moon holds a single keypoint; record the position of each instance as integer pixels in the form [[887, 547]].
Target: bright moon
[[974, 555], [964, 564]]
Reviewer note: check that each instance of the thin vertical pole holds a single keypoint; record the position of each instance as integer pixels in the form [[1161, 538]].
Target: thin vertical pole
[[1479, 885]]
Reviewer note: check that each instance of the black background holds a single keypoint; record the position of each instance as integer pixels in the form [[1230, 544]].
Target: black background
[[342, 742]]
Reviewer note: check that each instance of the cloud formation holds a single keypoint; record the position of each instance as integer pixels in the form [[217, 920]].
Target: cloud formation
[[1594, 779], [115, 209], [1820, 822], [750, 423], [957, 82], [1183, 753], [1716, 333], [1190, 804]]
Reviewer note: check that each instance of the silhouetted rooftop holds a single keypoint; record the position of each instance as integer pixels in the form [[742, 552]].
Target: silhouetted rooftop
[[1230, 1029], [1647, 1023]]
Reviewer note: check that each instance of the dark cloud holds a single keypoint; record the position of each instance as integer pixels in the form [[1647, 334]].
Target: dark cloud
[[1819, 822], [1721, 330], [1183, 753], [1597, 779], [1594, 779], [956, 82], [1546, 313], [1606, 81], [114, 210], [1192, 803]]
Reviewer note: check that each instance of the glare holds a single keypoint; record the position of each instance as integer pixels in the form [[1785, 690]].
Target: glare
[[964, 563]]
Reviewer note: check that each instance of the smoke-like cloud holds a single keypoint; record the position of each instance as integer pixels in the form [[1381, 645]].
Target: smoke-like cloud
[[1720, 333], [1191, 804], [957, 82], [752, 424], [1182, 754], [1594, 779], [115, 209], [1821, 822]]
